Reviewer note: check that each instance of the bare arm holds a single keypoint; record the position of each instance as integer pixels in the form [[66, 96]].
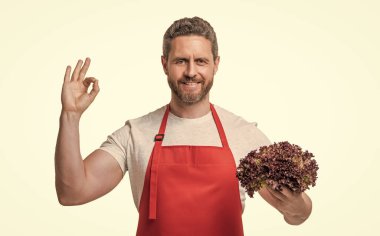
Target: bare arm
[[79, 181]]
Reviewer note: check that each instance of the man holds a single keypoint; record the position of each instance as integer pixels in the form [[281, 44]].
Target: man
[[181, 158]]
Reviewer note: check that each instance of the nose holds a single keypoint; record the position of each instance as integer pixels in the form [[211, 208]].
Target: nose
[[190, 69]]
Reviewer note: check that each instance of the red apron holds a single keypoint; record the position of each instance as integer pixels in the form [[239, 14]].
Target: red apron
[[190, 190]]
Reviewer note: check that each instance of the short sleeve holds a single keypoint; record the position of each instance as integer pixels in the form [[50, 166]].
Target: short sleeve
[[116, 144], [260, 138]]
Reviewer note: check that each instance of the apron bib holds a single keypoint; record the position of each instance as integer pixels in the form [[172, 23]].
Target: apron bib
[[190, 190]]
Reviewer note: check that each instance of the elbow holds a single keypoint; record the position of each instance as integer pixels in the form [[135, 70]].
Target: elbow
[[65, 201], [70, 201], [294, 221], [62, 197], [66, 195]]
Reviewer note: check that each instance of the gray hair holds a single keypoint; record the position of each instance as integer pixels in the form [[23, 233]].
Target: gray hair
[[190, 26]]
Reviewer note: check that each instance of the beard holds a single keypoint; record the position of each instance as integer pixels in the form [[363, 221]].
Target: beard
[[190, 97]]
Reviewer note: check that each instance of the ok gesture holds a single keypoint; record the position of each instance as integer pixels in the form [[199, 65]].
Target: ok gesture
[[75, 97]]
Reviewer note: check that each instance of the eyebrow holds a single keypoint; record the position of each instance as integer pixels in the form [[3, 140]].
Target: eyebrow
[[180, 58], [185, 59], [202, 58]]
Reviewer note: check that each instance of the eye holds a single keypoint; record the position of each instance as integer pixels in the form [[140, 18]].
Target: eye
[[201, 62], [179, 61]]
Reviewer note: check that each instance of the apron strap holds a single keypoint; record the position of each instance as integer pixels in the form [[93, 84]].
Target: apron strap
[[154, 168], [219, 126]]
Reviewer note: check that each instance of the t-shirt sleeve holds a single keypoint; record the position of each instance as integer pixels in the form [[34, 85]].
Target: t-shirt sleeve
[[116, 144], [260, 138]]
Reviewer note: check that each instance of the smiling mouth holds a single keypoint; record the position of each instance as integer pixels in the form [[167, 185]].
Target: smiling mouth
[[190, 83]]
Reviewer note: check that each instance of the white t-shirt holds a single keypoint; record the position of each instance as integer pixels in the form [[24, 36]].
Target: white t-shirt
[[132, 144]]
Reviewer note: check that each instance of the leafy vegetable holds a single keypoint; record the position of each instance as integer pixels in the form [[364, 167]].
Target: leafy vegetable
[[277, 165]]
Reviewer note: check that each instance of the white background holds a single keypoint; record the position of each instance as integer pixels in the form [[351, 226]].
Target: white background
[[305, 71]]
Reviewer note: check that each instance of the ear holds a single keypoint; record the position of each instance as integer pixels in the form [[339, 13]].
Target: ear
[[164, 63], [216, 64]]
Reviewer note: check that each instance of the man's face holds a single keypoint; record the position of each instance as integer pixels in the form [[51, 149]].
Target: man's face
[[190, 68]]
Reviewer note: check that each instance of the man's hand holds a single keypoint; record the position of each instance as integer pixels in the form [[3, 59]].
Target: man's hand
[[75, 98], [296, 207]]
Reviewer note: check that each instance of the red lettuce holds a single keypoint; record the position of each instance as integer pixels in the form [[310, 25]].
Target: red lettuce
[[277, 165]]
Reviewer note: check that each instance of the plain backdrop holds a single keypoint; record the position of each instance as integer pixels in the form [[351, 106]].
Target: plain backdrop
[[305, 71]]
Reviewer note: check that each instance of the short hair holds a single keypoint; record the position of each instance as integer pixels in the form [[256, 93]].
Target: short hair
[[190, 26]]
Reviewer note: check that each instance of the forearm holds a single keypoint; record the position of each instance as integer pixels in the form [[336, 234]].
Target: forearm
[[69, 167], [296, 218]]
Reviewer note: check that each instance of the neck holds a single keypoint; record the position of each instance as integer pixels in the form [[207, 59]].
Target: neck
[[189, 111]]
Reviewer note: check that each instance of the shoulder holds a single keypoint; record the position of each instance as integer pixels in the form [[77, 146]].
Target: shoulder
[[149, 117], [241, 129], [148, 121], [232, 119]]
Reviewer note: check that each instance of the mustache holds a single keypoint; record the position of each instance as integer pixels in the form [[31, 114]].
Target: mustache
[[191, 79]]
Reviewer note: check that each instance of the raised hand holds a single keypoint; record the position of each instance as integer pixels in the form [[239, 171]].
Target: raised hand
[[75, 97]]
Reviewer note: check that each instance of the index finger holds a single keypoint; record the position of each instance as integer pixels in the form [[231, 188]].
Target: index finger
[[287, 192], [276, 193]]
